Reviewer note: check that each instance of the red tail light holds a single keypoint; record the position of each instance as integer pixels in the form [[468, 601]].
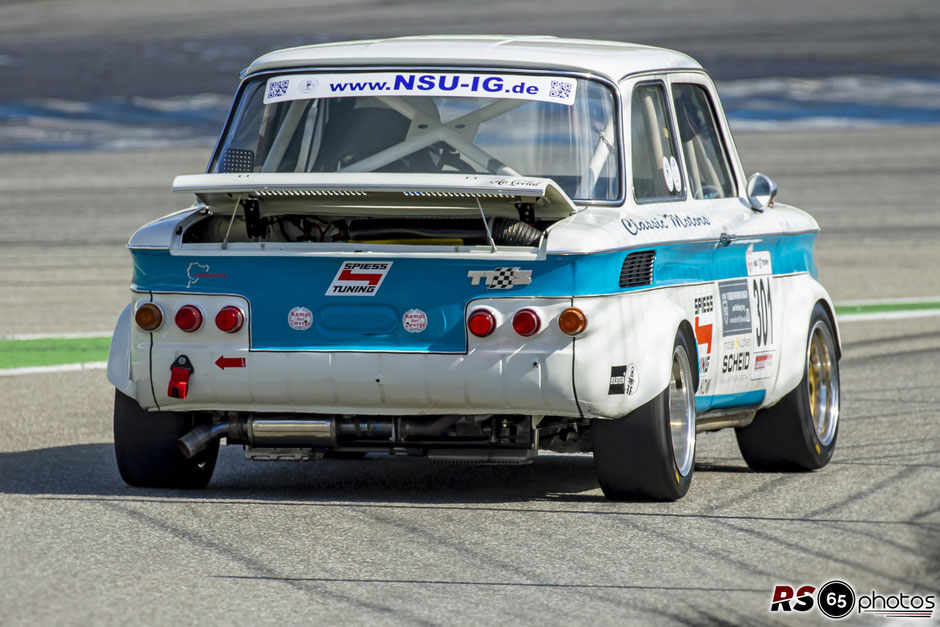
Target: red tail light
[[230, 319], [481, 323], [189, 318], [526, 322]]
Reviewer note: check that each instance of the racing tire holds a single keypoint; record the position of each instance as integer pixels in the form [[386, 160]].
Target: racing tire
[[649, 454], [146, 449], [799, 432]]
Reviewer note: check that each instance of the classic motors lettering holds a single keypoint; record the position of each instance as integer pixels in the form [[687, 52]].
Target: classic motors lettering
[[667, 221], [359, 278]]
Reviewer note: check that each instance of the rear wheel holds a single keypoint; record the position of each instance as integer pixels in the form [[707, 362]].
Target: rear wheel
[[650, 453], [799, 432], [146, 449]]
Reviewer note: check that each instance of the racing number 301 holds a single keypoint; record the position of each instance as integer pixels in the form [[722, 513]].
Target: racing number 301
[[760, 289]]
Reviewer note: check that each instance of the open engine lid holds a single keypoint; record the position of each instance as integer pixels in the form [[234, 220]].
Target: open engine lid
[[381, 193]]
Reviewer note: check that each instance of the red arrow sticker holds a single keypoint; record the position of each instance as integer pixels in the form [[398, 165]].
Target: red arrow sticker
[[703, 334], [224, 362]]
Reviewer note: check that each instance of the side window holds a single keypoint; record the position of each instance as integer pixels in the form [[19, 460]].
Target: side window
[[656, 173], [706, 157]]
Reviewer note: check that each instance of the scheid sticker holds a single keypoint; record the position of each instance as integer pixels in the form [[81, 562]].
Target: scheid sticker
[[359, 278], [556, 89], [300, 318], [414, 321]]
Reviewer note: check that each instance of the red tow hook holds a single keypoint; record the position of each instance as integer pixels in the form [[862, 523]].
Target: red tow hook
[[179, 377]]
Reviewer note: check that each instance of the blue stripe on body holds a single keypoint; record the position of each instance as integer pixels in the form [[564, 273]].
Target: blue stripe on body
[[438, 286], [724, 401]]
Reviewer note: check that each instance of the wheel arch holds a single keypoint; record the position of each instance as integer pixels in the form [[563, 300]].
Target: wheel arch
[[799, 295], [830, 311], [685, 328]]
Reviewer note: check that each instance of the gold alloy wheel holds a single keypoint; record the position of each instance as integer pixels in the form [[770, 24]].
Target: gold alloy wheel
[[822, 373]]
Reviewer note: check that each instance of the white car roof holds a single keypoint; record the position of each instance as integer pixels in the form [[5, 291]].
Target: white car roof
[[608, 58]]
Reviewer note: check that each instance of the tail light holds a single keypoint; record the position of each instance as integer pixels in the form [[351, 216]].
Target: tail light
[[188, 318], [572, 321], [481, 323], [526, 322], [149, 316], [230, 319]]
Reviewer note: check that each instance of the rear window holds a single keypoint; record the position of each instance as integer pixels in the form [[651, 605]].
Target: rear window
[[555, 127]]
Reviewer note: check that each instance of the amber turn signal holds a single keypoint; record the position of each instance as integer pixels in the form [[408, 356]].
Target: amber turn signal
[[149, 317], [572, 321]]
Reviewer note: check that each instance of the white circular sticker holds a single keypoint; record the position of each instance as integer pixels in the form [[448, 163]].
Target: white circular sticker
[[676, 175], [414, 321], [631, 380], [308, 85], [667, 173], [300, 318]]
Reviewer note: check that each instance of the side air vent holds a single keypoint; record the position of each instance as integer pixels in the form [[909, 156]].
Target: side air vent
[[637, 269]]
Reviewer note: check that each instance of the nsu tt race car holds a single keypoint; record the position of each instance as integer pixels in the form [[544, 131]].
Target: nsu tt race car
[[470, 249]]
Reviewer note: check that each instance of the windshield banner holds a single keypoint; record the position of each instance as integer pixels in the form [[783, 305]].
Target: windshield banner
[[307, 86]]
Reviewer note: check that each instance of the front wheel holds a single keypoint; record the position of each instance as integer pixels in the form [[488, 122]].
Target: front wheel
[[650, 453], [146, 449], [799, 432]]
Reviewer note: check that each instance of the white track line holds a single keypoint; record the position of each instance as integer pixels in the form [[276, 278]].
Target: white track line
[[887, 315], [889, 301], [55, 336], [88, 365]]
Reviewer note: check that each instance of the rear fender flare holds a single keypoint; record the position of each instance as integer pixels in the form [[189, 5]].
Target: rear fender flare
[[119, 356], [633, 330]]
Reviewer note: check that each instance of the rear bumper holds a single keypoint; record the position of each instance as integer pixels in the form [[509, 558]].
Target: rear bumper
[[502, 373]]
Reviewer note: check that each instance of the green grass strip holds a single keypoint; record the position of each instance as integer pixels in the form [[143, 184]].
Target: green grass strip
[[875, 308], [52, 352]]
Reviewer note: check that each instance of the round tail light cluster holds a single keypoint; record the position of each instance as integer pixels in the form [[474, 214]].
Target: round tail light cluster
[[188, 318], [526, 322], [149, 316], [230, 319]]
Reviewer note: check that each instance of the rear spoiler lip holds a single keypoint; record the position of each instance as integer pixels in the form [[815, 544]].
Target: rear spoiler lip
[[388, 189]]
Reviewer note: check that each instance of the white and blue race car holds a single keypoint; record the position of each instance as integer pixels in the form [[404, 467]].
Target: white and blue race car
[[470, 249]]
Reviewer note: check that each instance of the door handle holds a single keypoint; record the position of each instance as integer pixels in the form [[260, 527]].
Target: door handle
[[726, 238]]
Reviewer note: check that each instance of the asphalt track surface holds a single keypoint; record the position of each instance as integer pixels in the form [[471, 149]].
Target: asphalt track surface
[[406, 541]]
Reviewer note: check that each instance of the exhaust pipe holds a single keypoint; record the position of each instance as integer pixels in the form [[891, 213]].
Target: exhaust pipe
[[201, 437], [274, 432], [308, 432]]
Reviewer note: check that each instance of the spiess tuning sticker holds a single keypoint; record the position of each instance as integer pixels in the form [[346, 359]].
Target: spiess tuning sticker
[[359, 278]]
